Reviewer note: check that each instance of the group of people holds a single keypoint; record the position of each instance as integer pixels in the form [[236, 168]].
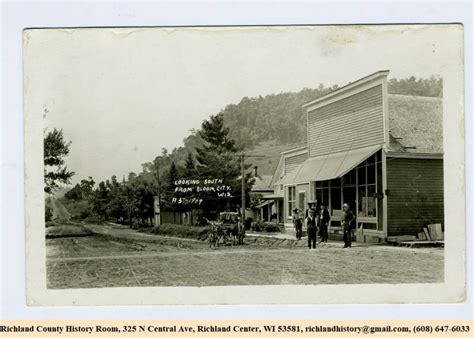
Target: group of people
[[317, 221]]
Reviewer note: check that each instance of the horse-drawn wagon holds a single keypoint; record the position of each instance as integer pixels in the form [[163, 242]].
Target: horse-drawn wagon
[[228, 229]]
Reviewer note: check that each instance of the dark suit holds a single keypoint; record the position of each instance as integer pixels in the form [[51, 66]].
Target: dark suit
[[323, 221], [347, 222], [298, 223], [312, 229]]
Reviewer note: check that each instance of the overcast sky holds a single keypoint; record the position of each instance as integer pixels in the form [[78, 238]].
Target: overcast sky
[[121, 95]]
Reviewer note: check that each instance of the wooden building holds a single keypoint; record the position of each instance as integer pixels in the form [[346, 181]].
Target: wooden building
[[380, 153], [270, 206]]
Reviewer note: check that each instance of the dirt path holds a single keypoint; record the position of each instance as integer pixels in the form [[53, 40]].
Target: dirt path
[[102, 260]]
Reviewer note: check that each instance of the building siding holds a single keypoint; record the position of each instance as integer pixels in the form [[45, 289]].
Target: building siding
[[291, 162], [353, 122], [415, 196]]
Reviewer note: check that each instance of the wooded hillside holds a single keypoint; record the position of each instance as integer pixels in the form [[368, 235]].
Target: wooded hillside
[[280, 118]]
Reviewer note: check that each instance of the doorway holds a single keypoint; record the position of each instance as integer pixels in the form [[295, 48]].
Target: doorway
[[302, 200]]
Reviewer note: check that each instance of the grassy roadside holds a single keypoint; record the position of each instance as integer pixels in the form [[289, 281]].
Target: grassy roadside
[[66, 229], [175, 230]]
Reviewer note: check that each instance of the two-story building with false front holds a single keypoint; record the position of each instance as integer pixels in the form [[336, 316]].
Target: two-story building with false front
[[380, 153]]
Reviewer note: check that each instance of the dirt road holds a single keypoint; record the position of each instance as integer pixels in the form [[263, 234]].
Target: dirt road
[[105, 261]]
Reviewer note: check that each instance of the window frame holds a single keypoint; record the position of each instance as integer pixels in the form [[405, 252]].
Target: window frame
[[291, 203]]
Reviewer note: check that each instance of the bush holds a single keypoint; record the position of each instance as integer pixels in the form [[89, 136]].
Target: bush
[[248, 223], [66, 230], [79, 210], [271, 227], [266, 226], [83, 214], [176, 230]]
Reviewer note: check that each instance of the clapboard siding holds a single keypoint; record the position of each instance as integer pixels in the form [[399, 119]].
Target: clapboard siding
[[291, 162], [415, 196], [353, 122]]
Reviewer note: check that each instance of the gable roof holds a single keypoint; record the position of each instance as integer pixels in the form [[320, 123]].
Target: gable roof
[[278, 173], [415, 124], [262, 183], [351, 85]]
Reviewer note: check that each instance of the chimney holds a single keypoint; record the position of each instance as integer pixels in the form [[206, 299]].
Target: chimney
[[255, 171]]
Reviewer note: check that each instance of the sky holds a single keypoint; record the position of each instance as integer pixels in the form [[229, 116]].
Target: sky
[[121, 95]]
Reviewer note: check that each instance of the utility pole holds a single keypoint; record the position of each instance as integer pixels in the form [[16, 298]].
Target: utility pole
[[242, 174], [158, 205]]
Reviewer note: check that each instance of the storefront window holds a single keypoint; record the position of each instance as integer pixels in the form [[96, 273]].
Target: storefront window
[[371, 174], [322, 192], [362, 212], [349, 178], [367, 176], [368, 226], [291, 200], [361, 173], [371, 201], [336, 198]]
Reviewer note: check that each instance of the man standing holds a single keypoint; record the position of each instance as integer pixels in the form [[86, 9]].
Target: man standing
[[347, 222], [323, 221], [311, 205], [298, 223], [311, 229]]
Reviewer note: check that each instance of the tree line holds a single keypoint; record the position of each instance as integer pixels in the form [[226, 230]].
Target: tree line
[[132, 199]]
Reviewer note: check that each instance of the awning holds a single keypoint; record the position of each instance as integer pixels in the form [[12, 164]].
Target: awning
[[328, 167], [271, 197], [262, 204]]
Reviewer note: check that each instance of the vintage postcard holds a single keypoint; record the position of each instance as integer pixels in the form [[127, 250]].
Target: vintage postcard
[[244, 165]]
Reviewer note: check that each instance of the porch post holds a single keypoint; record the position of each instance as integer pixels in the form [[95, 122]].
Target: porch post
[[384, 190]]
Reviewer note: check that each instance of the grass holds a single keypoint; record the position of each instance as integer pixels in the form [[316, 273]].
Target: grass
[[66, 230], [175, 230]]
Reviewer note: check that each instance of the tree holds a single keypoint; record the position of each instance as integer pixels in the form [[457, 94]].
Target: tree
[[87, 186], [218, 159], [144, 192], [432, 87], [55, 150], [99, 200], [116, 207], [189, 166]]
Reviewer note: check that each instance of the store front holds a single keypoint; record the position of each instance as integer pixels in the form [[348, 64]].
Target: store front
[[353, 177], [361, 188]]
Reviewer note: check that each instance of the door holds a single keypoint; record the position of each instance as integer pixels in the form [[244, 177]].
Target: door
[[302, 200]]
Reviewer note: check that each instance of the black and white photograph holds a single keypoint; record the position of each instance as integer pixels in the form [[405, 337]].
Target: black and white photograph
[[242, 158]]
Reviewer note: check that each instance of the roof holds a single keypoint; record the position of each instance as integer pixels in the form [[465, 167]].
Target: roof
[[263, 183], [272, 197], [416, 124], [277, 174], [294, 150], [350, 85]]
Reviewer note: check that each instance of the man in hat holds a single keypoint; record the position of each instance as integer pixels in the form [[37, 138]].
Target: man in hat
[[311, 205], [323, 222], [298, 223], [347, 221], [311, 228]]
